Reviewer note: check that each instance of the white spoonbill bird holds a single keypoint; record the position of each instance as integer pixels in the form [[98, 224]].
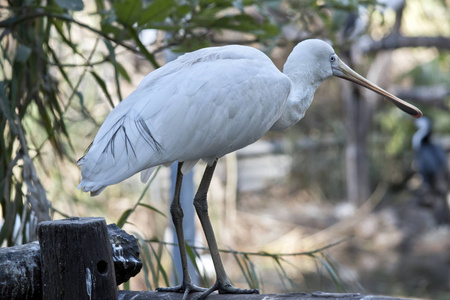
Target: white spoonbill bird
[[203, 105]]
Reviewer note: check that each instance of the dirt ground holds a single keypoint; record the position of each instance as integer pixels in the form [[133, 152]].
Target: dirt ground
[[393, 244], [399, 248]]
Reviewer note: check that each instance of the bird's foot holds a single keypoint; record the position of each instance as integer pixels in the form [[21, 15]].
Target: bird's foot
[[226, 288], [185, 288]]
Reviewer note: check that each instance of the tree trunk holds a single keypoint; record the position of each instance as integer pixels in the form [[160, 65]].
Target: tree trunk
[[358, 118]]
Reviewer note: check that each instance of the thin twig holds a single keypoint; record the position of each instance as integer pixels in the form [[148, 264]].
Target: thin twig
[[261, 253], [87, 64], [38, 149]]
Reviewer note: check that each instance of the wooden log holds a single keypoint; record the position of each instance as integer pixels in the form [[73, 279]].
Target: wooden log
[[140, 295], [125, 254], [20, 272], [20, 266], [76, 260]]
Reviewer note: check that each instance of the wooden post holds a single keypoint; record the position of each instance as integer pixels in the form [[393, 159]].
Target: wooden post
[[20, 266], [76, 259]]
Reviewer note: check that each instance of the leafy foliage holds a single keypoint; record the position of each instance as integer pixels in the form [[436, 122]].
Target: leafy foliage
[[154, 252], [37, 88]]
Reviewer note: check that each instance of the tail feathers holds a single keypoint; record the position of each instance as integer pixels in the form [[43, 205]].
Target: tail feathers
[[188, 165], [145, 174], [97, 192], [94, 190]]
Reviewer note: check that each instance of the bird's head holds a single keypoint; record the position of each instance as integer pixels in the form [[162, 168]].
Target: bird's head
[[324, 62], [424, 123]]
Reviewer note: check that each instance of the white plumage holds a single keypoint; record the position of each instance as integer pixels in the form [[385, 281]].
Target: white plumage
[[204, 105]]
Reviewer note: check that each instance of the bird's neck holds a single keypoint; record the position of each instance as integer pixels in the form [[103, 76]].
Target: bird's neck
[[422, 135], [302, 92]]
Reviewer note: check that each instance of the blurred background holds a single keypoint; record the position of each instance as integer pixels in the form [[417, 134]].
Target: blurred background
[[352, 198]]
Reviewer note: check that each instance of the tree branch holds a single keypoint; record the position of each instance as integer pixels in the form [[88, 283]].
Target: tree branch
[[398, 18], [431, 95], [261, 253], [395, 41]]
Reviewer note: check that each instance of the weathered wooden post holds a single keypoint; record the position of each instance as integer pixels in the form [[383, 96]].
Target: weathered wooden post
[[76, 259]]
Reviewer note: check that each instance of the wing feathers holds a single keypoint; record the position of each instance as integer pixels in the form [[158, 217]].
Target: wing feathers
[[199, 106], [118, 153]]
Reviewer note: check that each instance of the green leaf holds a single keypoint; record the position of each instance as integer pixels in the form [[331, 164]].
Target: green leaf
[[115, 31], [102, 85], [282, 273], [218, 3], [75, 5], [157, 11], [161, 269], [193, 254], [152, 208], [61, 69], [128, 11], [80, 96], [191, 44], [146, 260], [250, 275], [58, 25], [327, 264], [236, 256], [245, 23], [150, 57], [112, 55], [123, 218], [123, 72], [181, 11]]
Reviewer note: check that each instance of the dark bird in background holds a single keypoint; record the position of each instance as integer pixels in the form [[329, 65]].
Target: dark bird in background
[[431, 163]]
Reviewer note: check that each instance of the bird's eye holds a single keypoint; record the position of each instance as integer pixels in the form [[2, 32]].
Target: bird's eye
[[332, 58]]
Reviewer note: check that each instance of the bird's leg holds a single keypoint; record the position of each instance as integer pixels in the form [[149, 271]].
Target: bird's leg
[[223, 284], [176, 211]]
